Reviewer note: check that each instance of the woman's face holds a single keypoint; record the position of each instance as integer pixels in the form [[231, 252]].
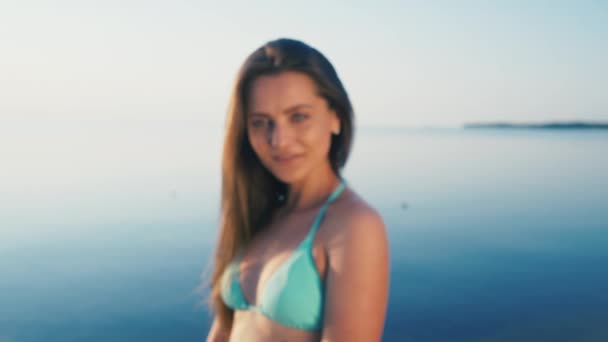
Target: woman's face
[[289, 125]]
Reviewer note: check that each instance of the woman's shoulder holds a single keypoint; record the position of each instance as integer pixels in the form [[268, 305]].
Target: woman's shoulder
[[352, 218]]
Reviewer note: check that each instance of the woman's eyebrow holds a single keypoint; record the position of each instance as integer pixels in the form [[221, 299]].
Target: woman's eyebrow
[[290, 109]]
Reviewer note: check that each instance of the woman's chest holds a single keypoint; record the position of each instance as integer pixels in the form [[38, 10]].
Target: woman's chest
[[276, 252]]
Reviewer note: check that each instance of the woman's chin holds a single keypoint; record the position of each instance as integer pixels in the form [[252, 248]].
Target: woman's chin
[[287, 176]]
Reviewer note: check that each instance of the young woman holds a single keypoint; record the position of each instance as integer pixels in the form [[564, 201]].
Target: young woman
[[300, 256]]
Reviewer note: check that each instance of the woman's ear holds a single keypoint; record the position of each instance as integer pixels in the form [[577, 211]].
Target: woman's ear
[[335, 124]]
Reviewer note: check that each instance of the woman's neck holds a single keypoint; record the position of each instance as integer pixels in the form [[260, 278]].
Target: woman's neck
[[312, 190]]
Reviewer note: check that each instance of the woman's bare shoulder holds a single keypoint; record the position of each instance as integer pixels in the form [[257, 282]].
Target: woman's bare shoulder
[[352, 217], [357, 275]]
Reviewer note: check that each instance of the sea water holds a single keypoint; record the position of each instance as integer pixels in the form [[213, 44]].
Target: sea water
[[495, 235]]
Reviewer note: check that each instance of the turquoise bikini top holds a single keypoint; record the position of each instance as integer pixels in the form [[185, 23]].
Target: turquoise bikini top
[[293, 295]]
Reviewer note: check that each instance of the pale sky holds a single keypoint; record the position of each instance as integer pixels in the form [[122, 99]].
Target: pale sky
[[403, 62]]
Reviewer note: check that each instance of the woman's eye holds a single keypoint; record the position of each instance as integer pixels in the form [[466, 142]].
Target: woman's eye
[[297, 117], [256, 123]]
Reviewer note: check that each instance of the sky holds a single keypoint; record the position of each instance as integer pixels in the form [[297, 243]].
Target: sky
[[403, 63]]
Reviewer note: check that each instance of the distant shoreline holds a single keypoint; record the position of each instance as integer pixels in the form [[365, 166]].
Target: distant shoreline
[[542, 125]]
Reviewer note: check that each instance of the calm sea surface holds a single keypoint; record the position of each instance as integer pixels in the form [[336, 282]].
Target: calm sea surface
[[106, 227]]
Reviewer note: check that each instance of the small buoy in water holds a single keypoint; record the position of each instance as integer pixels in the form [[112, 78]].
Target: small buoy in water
[[403, 205]]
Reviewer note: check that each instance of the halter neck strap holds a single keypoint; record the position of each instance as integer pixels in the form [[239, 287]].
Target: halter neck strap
[[321, 214]]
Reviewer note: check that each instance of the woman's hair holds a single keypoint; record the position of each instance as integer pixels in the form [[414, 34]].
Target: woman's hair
[[250, 193]]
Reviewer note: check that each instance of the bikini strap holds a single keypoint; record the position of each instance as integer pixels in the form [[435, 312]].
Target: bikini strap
[[321, 214]]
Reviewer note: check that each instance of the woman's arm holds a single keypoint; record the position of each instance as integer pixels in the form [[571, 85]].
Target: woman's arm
[[217, 333], [357, 279]]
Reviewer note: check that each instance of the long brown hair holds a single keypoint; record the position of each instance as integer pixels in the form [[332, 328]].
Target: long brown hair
[[250, 193]]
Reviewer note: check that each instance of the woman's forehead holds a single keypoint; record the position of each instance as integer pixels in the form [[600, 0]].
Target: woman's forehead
[[277, 93]]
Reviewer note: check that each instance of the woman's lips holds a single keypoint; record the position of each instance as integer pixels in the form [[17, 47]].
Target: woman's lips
[[285, 159]]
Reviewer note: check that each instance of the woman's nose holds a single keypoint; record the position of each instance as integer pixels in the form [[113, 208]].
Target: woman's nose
[[278, 135]]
